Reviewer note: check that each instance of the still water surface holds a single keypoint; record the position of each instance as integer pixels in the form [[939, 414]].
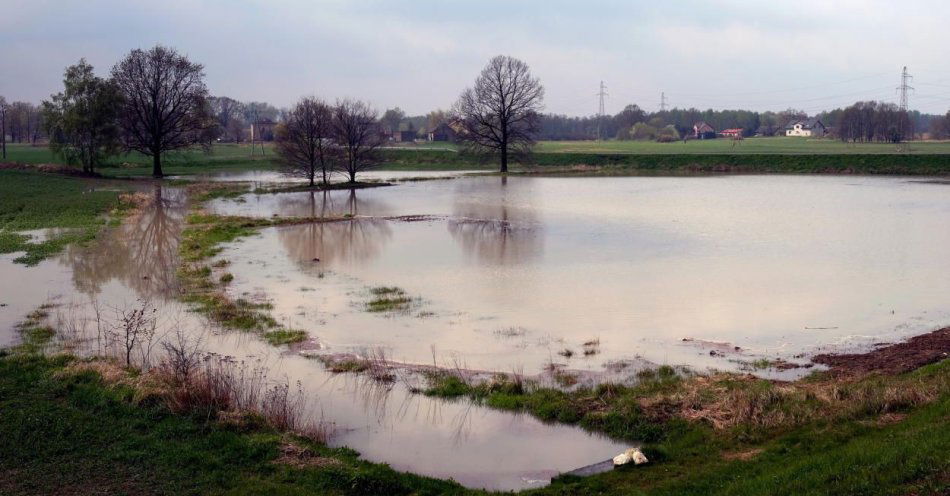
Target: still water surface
[[510, 272]]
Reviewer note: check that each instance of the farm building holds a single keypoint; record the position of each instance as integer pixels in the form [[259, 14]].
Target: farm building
[[404, 136], [811, 127], [442, 132], [701, 130], [731, 133]]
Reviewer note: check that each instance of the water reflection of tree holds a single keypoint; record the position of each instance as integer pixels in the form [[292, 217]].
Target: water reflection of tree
[[354, 240], [142, 252], [491, 227], [327, 203]]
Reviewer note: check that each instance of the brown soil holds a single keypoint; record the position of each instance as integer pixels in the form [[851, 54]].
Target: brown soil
[[892, 359], [743, 455]]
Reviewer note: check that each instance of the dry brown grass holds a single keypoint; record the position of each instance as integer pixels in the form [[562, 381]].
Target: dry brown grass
[[234, 393], [728, 400], [299, 457]]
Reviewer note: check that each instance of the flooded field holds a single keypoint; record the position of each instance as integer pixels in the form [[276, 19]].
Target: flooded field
[[508, 273], [596, 274]]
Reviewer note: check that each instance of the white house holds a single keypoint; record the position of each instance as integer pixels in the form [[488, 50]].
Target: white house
[[810, 127]]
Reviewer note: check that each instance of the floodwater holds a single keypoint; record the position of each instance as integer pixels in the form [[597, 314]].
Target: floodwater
[[672, 270], [272, 176], [386, 423], [507, 273]]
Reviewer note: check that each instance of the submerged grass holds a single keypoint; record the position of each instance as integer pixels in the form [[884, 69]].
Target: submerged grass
[[203, 239], [285, 336], [389, 299]]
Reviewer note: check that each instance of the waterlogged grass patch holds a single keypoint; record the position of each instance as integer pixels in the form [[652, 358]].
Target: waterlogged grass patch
[[33, 200], [389, 299], [285, 336], [348, 365]]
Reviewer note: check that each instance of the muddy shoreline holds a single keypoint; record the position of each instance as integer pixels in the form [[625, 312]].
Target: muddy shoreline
[[896, 358]]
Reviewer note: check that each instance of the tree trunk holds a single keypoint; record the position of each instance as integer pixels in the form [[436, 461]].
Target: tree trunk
[[157, 166], [504, 158]]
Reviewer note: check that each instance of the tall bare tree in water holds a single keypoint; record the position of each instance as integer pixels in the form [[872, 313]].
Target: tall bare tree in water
[[500, 115], [165, 104], [356, 132], [305, 140]]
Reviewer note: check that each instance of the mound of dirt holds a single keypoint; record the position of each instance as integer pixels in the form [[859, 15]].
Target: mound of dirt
[[892, 359]]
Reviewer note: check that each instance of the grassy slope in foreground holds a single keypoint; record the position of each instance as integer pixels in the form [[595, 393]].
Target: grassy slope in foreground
[[69, 431], [66, 433], [32, 200]]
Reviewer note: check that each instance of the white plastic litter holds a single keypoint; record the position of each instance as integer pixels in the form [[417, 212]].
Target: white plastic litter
[[631, 455]]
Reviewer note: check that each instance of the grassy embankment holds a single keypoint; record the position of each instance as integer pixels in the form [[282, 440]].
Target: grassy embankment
[[32, 200], [68, 428], [72, 426], [589, 163], [754, 155]]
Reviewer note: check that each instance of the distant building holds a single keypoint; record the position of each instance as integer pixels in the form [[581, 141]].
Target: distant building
[[811, 127], [404, 136], [701, 130], [731, 133], [443, 132]]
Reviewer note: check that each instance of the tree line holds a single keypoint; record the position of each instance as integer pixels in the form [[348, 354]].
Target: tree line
[[155, 101]]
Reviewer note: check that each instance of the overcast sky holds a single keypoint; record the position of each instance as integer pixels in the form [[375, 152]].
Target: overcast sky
[[419, 54]]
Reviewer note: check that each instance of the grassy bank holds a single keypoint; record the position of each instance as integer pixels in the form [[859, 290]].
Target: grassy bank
[[33, 200], [220, 158], [756, 155], [67, 430], [618, 163]]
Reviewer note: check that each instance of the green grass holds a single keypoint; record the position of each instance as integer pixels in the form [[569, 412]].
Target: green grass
[[32, 200], [285, 336], [70, 434], [388, 299], [191, 161], [759, 145], [754, 155]]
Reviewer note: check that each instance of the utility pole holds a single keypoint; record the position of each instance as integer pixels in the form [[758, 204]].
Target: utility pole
[[662, 101], [904, 117], [600, 110]]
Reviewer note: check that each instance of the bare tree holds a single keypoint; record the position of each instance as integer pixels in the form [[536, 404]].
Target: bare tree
[[356, 132], [228, 113], [304, 141], [165, 102], [501, 113]]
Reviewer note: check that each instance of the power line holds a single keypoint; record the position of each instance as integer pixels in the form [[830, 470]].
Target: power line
[[601, 110], [903, 89]]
